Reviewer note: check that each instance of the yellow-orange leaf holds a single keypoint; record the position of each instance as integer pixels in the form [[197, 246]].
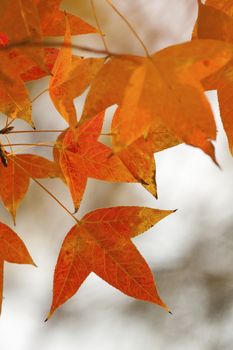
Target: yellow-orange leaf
[[135, 114], [16, 175], [175, 96], [81, 156], [101, 243], [71, 75], [217, 22], [166, 88], [179, 101], [138, 157], [109, 85], [12, 250]]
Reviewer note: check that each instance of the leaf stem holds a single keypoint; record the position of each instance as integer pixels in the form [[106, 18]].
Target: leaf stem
[[130, 26], [55, 198], [48, 192], [98, 26], [41, 93]]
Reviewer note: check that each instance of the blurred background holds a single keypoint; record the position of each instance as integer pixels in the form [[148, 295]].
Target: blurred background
[[190, 252]]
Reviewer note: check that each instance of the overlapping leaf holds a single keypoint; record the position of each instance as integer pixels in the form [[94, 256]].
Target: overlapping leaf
[[21, 23], [215, 20], [13, 250], [28, 69], [53, 20], [108, 87], [14, 97], [225, 6], [163, 89], [138, 157], [101, 243], [15, 177], [162, 103], [80, 156], [71, 75]]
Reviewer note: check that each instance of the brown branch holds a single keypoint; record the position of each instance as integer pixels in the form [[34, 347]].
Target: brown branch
[[27, 144], [50, 44], [27, 131]]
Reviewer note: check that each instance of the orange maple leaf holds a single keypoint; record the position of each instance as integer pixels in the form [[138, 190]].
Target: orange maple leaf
[[101, 243], [53, 20], [80, 156], [16, 175], [14, 97], [225, 6], [138, 157], [28, 69], [71, 76], [21, 23], [213, 23], [165, 87], [109, 85], [13, 250]]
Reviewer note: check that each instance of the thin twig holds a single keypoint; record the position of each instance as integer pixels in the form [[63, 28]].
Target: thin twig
[[55, 131], [130, 26], [28, 144], [27, 43], [32, 131]]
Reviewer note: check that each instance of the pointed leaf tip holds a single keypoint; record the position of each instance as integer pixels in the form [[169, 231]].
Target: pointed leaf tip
[[12, 250], [102, 244]]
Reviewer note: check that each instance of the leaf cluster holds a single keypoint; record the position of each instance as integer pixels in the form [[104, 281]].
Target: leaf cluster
[[160, 102]]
